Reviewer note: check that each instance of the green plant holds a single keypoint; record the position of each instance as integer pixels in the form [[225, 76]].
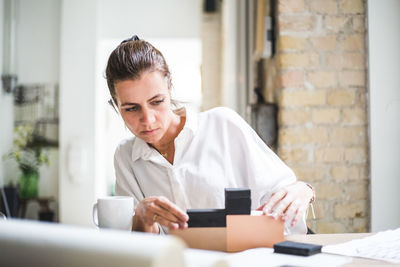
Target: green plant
[[28, 154]]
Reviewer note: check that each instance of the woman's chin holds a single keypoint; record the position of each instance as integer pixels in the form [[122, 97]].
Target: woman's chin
[[149, 139]]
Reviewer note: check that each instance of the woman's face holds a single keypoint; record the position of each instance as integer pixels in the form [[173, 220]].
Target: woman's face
[[145, 106]]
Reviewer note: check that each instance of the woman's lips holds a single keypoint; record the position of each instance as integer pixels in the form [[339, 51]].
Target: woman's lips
[[149, 132]]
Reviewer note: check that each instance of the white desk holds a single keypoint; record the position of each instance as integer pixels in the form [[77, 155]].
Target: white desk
[[266, 257]]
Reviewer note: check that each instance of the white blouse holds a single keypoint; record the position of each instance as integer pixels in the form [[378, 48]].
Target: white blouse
[[215, 150]]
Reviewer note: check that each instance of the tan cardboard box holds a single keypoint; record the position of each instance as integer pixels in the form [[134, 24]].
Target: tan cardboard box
[[241, 232]]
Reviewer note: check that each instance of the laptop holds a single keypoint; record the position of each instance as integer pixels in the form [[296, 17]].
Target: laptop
[[33, 243]]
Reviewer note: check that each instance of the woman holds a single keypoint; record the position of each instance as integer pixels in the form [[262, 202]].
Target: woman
[[179, 160]]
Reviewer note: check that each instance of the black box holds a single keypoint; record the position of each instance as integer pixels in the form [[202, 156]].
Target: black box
[[237, 201], [206, 218], [296, 248]]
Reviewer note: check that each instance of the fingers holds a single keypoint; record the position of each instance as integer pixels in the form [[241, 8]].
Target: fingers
[[171, 225], [162, 211], [273, 200], [292, 212], [172, 208], [165, 217], [299, 215], [289, 203], [261, 207], [284, 204]]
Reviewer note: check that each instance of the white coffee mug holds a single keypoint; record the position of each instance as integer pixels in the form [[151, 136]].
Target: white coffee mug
[[114, 212]]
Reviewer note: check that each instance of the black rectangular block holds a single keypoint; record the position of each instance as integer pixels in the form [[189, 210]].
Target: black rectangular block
[[206, 218], [237, 200], [297, 248]]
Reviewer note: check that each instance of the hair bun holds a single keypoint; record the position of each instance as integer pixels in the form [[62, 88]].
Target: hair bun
[[133, 38]]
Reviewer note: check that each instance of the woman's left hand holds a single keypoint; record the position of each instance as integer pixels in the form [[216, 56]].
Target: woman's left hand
[[289, 202]]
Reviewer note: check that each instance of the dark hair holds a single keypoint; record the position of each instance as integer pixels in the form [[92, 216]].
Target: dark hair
[[130, 59]]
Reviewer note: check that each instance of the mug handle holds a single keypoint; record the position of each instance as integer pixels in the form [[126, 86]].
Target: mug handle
[[95, 217]]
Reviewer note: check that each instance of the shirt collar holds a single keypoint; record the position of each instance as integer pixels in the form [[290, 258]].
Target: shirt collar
[[140, 149], [191, 119]]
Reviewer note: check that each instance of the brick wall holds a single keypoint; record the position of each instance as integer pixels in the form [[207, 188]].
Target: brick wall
[[320, 70]]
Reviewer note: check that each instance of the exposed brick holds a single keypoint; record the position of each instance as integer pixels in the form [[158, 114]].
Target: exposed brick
[[351, 6], [329, 154], [353, 42], [290, 6], [326, 115], [287, 42], [346, 61], [354, 116], [340, 97], [294, 117], [348, 135], [353, 61], [364, 172], [314, 60], [329, 227], [360, 225], [337, 23], [356, 191], [345, 173], [334, 61], [356, 154], [352, 78], [293, 60], [303, 136], [322, 79], [359, 23], [323, 7], [292, 79], [293, 155], [310, 173], [351, 209], [324, 43], [328, 191], [296, 23], [302, 98], [360, 98]]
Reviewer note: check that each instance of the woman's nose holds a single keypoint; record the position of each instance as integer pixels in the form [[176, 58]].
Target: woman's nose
[[148, 116]]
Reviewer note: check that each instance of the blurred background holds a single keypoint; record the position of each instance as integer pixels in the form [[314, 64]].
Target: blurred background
[[317, 79]]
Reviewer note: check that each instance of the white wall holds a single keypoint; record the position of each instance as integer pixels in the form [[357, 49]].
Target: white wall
[[79, 38], [150, 18], [384, 86], [38, 32]]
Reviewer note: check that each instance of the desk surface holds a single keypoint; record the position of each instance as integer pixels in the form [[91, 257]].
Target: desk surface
[[331, 239]]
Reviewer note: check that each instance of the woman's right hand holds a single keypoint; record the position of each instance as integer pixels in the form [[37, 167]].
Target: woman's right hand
[[160, 210]]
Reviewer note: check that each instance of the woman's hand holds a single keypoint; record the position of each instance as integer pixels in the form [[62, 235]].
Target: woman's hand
[[289, 202], [160, 210]]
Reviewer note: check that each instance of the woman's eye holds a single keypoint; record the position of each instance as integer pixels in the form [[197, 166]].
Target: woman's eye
[[157, 102], [131, 109]]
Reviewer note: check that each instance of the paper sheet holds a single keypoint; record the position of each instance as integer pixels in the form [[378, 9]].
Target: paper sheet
[[381, 246]]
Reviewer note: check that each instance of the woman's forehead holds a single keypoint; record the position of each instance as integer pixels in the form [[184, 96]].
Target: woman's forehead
[[147, 86]]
